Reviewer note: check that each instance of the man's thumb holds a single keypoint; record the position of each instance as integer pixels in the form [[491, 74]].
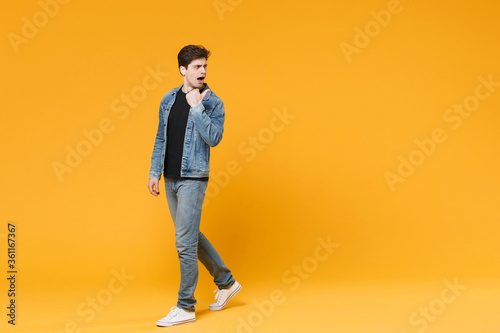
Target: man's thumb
[[204, 94]]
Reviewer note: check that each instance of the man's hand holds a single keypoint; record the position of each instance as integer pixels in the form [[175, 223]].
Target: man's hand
[[153, 186], [194, 97]]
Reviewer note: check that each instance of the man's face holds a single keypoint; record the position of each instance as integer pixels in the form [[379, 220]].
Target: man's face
[[194, 75]]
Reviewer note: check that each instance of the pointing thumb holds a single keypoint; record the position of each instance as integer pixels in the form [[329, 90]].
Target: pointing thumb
[[204, 94]]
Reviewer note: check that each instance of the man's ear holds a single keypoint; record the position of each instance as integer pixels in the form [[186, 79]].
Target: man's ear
[[182, 70]]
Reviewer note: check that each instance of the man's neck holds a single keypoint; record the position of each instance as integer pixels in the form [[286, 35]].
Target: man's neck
[[185, 89]]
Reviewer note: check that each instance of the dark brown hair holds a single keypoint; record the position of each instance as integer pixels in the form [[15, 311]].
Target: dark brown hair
[[190, 52]]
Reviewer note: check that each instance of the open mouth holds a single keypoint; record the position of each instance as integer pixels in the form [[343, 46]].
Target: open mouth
[[200, 79]]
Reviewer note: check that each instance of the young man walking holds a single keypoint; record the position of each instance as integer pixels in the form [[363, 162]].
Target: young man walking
[[191, 121]]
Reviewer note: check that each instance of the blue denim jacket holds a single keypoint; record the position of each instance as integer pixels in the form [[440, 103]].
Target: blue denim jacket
[[203, 130]]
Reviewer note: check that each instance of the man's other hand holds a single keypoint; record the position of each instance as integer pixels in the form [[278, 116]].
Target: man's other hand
[[153, 186]]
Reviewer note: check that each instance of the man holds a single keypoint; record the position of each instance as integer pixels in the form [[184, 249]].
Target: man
[[191, 121]]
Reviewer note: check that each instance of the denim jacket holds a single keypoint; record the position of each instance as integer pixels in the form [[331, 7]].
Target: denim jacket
[[203, 130]]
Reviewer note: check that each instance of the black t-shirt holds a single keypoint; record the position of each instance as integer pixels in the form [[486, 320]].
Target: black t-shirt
[[176, 130]]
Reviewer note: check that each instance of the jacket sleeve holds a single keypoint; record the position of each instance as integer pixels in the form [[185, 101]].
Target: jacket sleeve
[[155, 171], [210, 126]]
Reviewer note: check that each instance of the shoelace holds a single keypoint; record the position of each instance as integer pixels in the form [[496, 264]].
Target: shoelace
[[220, 294], [174, 311]]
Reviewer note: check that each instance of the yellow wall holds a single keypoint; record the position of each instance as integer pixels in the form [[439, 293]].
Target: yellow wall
[[318, 118]]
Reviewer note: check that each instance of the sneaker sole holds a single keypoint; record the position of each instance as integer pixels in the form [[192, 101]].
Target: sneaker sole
[[175, 323], [220, 307]]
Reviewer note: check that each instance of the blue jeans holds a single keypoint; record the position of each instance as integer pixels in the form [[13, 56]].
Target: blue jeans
[[185, 199]]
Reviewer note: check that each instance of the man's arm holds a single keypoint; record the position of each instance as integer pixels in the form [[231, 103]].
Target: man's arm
[[210, 127], [154, 174], [157, 150]]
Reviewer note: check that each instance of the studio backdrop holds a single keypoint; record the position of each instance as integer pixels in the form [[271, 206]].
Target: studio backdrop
[[361, 144]]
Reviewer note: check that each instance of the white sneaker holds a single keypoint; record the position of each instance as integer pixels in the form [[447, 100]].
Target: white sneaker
[[223, 296], [176, 316]]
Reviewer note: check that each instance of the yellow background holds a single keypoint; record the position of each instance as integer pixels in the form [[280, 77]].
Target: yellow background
[[322, 175]]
